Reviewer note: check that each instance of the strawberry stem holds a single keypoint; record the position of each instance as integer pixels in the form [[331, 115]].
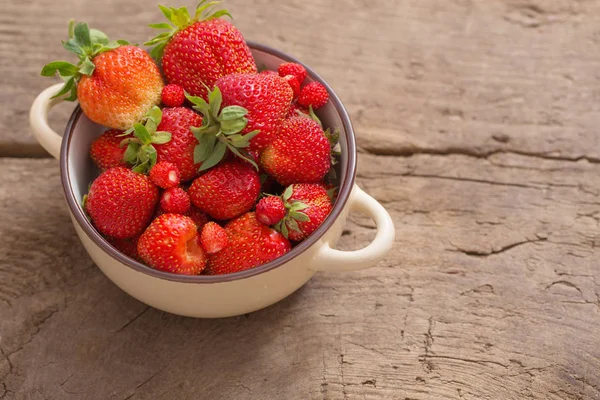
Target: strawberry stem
[[86, 43], [180, 19]]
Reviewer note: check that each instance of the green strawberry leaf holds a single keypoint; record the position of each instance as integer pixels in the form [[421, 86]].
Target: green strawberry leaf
[[311, 114], [66, 88], [298, 216], [82, 34], [215, 98], [220, 13], [161, 137], [243, 155], [142, 133], [298, 206], [332, 192], [250, 135], [131, 154], [162, 25], [72, 46], [97, 36], [233, 126], [284, 230], [204, 148], [215, 156], [287, 193], [63, 68], [292, 224], [230, 113], [157, 51], [87, 67]]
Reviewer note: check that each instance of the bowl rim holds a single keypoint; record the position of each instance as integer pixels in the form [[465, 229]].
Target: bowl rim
[[343, 196]]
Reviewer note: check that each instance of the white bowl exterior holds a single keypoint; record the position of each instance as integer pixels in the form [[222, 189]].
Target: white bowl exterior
[[213, 300]]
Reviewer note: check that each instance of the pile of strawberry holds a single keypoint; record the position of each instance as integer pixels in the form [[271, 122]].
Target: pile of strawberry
[[220, 170]]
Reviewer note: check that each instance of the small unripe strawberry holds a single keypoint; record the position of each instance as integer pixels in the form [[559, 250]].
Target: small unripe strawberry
[[175, 200], [294, 69], [165, 175], [314, 94], [270, 210], [173, 95], [213, 238]]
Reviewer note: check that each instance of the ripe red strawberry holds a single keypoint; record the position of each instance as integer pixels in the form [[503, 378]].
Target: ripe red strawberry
[[294, 69], [270, 210], [173, 95], [116, 84], [301, 153], [268, 72], [121, 202], [267, 99], [180, 149], [198, 51], [226, 191], [314, 94], [171, 243], [126, 246], [213, 238], [294, 84], [175, 200], [307, 204], [165, 175], [106, 151], [250, 244]]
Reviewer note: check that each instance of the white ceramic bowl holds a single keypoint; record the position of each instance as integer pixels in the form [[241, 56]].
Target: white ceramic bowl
[[219, 295]]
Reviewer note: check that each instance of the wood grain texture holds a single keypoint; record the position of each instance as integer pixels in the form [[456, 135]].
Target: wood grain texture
[[477, 127], [491, 292]]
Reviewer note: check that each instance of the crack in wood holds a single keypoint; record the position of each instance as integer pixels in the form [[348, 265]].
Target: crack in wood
[[132, 320], [483, 253], [410, 151]]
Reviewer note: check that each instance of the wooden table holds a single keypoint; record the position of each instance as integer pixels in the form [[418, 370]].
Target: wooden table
[[477, 123]]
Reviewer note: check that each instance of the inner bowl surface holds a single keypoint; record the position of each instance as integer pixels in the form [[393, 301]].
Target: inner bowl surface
[[78, 171]]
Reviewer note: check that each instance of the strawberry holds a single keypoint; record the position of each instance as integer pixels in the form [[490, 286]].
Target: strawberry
[[213, 238], [307, 204], [175, 200], [314, 94], [267, 99], [180, 149], [250, 244], [106, 151], [301, 153], [116, 84], [121, 202], [165, 175], [197, 51], [126, 246], [171, 243], [270, 210], [294, 84], [226, 191], [294, 69], [172, 95]]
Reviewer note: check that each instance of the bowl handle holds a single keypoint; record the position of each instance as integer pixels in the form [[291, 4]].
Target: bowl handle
[[332, 260], [38, 120]]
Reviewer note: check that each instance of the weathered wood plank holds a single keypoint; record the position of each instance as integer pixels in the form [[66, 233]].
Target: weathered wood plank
[[492, 291], [457, 76]]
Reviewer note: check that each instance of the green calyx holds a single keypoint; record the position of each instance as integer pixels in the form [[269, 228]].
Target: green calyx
[[180, 19], [220, 131], [293, 213], [140, 150], [86, 43]]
